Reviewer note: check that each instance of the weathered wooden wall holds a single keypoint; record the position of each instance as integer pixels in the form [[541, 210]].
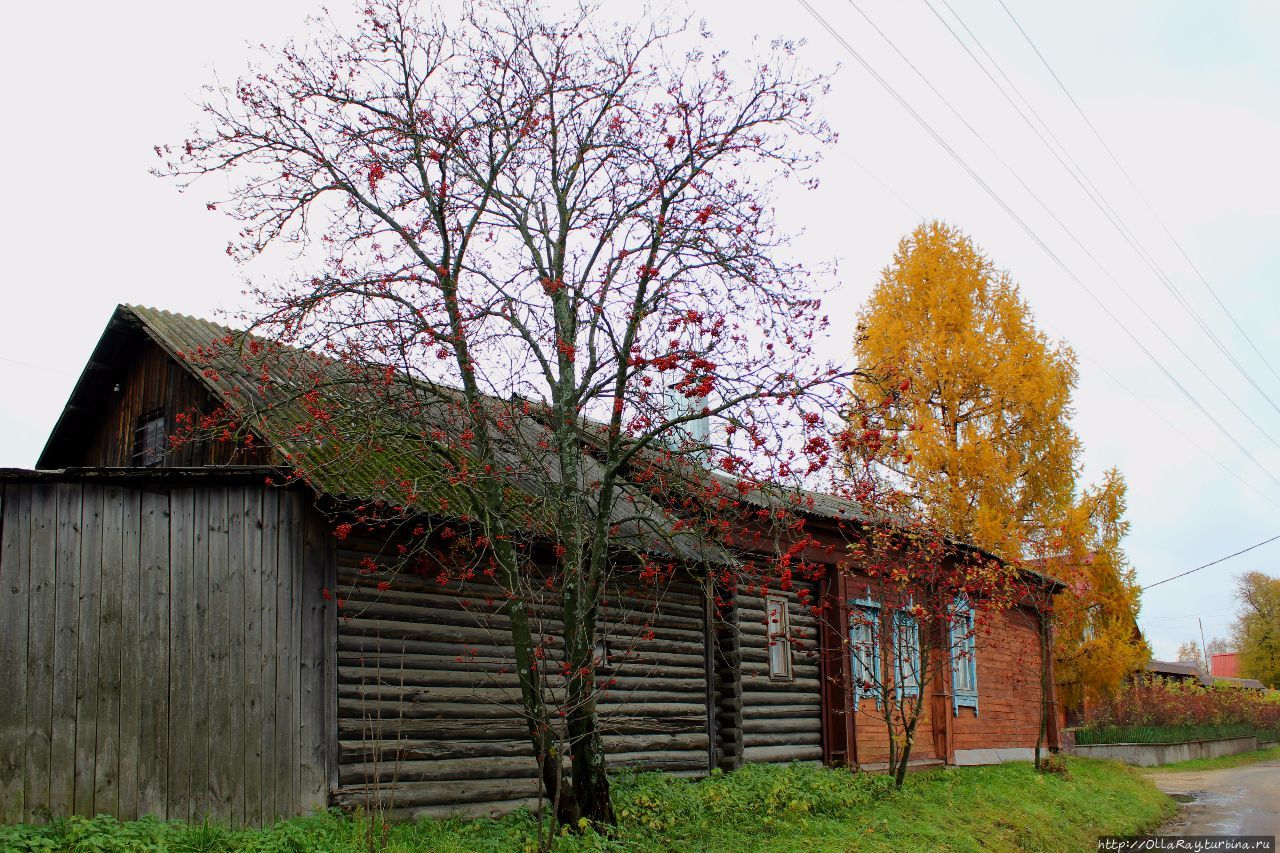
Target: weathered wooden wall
[[428, 701], [161, 650], [153, 380], [781, 720], [1008, 658]]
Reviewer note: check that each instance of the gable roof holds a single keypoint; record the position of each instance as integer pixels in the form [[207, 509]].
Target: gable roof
[[342, 472], [350, 474], [1177, 669]]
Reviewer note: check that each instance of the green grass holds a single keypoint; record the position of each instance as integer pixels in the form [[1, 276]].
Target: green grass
[[767, 808], [1238, 760]]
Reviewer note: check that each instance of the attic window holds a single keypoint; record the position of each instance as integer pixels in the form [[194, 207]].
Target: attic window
[[149, 439]]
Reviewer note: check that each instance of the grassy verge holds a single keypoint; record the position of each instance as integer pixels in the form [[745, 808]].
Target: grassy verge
[[1238, 760], [1004, 808]]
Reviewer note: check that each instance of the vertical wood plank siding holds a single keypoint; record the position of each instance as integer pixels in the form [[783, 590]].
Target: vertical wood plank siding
[[428, 701], [141, 663], [155, 381]]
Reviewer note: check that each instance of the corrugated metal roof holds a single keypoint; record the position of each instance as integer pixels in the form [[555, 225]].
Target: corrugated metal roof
[[347, 470], [344, 466], [1246, 683]]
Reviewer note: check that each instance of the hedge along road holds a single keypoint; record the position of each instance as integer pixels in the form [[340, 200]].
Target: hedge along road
[[1233, 801]]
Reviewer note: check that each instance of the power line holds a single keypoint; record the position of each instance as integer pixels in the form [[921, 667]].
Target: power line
[[1214, 563], [1147, 618], [1095, 195], [44, 367], [1174, 427], [1198, 446], [1134, 186], [1031, 233], [883, 184], [1054, 216]]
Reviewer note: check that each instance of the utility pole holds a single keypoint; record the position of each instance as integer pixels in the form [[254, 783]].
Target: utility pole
[[1204, 650]]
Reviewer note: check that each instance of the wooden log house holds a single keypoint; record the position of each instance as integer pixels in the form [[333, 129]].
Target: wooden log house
[[170, 645]]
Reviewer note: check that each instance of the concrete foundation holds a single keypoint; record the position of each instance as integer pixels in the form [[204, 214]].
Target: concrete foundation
[[1159, 754], [975, 757]]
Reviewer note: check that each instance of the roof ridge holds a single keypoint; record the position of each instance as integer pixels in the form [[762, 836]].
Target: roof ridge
[[148, 309]]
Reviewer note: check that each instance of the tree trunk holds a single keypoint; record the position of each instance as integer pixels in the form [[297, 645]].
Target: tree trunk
[[588, 774], [590, 779], [1045, 651], [541, 733], [908, 740]]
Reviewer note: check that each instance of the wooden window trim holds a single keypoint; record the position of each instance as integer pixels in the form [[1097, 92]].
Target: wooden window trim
[[964, 656], [143, 454], [868, 617], [780, 635], [906, 654]]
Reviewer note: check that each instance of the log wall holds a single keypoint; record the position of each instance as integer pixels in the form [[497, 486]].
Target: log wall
[[781, 720], [161, 651], [429, 713]]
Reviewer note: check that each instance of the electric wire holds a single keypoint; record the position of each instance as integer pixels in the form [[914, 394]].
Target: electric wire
[[1174, 427], [844, 43], [1115, 380], [1214, 563], [1142, 196], [1066, 229], [883, 184], [1078, 174]]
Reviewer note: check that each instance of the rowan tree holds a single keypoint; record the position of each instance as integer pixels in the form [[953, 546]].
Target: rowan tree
[[917, 605], [1257, 628], [539, 260], [967, 400], [1037, 593]]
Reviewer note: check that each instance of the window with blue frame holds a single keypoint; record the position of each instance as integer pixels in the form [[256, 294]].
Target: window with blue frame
[[864, 645], [964, 657], [906, 654]]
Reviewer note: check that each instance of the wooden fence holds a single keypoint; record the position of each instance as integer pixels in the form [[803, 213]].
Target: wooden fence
[[162, 649]]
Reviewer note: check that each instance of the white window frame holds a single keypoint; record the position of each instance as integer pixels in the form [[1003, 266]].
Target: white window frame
[[778, 637], [865, 653]]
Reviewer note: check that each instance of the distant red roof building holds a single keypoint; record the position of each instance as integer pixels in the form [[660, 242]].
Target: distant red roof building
[[1225, 665]]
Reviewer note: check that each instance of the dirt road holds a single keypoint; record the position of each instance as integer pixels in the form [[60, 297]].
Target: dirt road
[[1235, 801]]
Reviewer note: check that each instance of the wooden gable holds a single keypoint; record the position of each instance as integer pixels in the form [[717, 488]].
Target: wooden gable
[[128, 378]]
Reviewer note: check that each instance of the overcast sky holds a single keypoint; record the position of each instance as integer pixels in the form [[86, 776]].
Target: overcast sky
[[1184, 92]]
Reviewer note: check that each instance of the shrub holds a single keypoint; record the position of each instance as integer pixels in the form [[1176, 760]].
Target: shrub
[[1160, 711], [1055, 763]]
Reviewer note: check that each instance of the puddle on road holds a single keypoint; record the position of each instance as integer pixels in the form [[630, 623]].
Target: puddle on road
[[1184, 798]]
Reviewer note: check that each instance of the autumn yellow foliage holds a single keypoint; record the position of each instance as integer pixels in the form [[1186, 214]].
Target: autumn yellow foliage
[[1098, 643], [1257, 629], [971, 399], [969, 404]]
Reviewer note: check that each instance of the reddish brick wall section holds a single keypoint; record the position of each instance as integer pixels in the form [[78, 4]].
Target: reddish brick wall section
[[1008, 655]]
